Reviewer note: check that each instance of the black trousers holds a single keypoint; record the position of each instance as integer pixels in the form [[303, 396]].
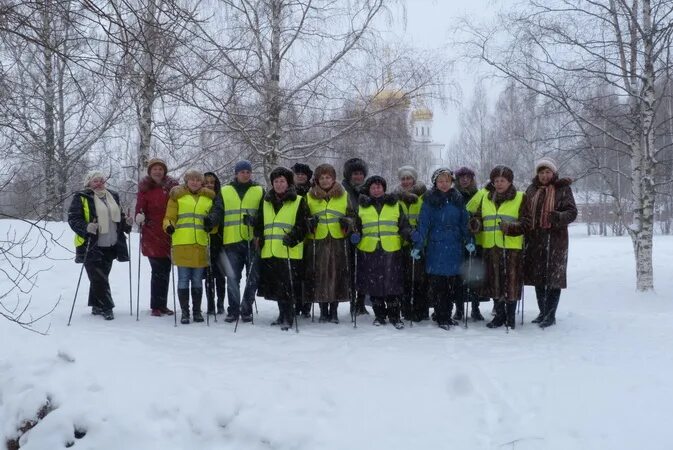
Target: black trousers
[[99, 283], [443, 290], [161, 277]]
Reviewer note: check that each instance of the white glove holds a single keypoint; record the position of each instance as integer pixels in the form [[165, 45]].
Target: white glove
[[140, 218], [92, 228]]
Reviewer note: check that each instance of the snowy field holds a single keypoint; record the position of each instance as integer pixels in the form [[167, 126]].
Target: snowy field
[[600, 379]]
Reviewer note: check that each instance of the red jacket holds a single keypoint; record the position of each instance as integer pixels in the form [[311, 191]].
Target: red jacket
[[152, 199]]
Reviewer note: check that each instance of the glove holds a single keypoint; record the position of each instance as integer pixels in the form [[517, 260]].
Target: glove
[[470, 247], [346, 222], [170, 229], [129, 220], [289, 241], [92, 228], [416, 254], [312, 222], [474, 225], [249, 220], [207, 224], [416, 237], [140, 218], [504, 226], [555, 217], [355, 238]]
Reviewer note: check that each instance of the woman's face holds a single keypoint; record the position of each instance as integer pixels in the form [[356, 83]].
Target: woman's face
[[209, 182], [157, 172], [194, 184], [465, 181], [280, 185], [501, 184], [326, 181], [544, 176], [407, 182], [300, 178], [97, 183], [443, 182], [376, 190]]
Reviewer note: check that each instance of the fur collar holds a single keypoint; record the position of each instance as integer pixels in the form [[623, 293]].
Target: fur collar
[[411, 196], [290, 196], [558, 182], [182, 190], [148, 183], [388, 199], [319, 193], [509, 194], [437, 198]]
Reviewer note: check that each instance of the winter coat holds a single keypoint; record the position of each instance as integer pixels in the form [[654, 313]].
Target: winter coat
[[537, 265], [216, 235], [353, 193], [78, 224], [410, 197], [326, 261], [276, 281], [302, 189], [494, 284], [381, 273], [187, 255], [151, 201], [442, 232]]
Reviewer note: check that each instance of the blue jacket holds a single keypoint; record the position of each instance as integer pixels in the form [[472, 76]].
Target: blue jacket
[[442, 231]]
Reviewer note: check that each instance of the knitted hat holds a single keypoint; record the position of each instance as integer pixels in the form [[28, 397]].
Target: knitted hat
[[282, 172], [91, 175], [441, 171], [375, 179], [324, 169], [243, 164], [547, 162], [407, 171], [464, 171], [352, 165], [502, 171], [154, 162], [302, 168]]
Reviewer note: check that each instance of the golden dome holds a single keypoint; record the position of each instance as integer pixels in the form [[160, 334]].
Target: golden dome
[[390, 97], [422, 114]]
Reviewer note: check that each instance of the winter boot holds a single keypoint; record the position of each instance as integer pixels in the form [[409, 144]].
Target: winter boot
[[394, 317], [379, 314], [475, 313], [220, 305], [306, 310], [540, 305], [324, 312], [287, 313], [333, 315], [510, 309], [459, 311], [197, 293], [500, 314], [550, 317], [360, 308], [183, 297], [108, 314]]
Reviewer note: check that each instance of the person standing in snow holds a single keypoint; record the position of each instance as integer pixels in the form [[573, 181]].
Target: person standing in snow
[[355, 171], [383, 227], [468, 289], [302, 183], [281, 231], [235, 212], [96, 216], [550, 208], [186, 223], [497, 223], [155, 244], [442, 235], [217, 289], [326, 252], [410, 194]]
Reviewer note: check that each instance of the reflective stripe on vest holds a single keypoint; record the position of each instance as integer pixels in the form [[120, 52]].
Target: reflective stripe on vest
[[276, 226], [233, 228], [329, 213], [413, 211], [79, 240], [189, 226], [381, 228], [472, 207], [491, 216]]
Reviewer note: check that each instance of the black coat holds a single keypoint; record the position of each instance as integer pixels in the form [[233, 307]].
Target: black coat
[[78, 225]]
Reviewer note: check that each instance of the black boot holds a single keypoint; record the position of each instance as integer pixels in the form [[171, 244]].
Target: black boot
[[183, 297], [324, 312], [360, 308], [459, 311], [306, 310], [552, 304], [379, 314], [540, 305], [281, 317], [499, 319], [197, 293], [286, 311], [475, 313], [394, 317], [511, 314], [333, 315]]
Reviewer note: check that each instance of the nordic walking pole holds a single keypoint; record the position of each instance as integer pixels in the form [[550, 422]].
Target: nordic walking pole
[[504, 271], [546, 275], [140, 239], [86, 253], [289, 272], [467, 284], [128, 212], [313, 303], [355, 293], [248, 267], [175, 309], [413, 288]]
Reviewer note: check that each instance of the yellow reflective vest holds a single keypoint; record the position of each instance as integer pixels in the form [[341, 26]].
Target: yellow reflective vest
[[329, 212], [79, 240], [276, 226], [233, 228], [413, 211], [380, 228], [491, 234], [192, 209], [472, 207]]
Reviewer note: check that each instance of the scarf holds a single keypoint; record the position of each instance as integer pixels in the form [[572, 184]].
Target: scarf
[[107, 210], [546, 194]]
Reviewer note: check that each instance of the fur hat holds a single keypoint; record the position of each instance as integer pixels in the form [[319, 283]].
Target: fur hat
[[192, 174], [464, 171], [375, 179], [282, 172], [154, 162], [547, 162], [243, 164], [91, 175], [502, 171], [441, 171], [407, 171], [354, 164], [324, 169], [302, 168]]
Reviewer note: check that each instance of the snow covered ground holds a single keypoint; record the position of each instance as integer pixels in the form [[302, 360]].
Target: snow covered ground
[[600, 379]]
